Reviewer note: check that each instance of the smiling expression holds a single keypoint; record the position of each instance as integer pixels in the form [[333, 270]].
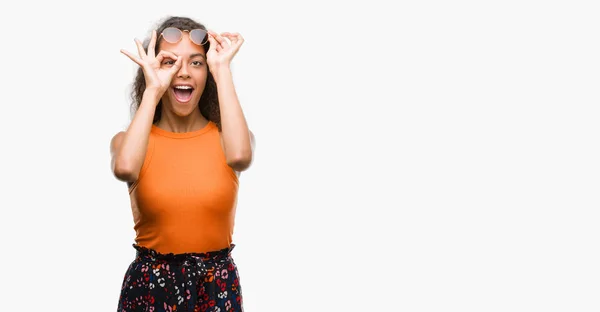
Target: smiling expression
[[188, 83]]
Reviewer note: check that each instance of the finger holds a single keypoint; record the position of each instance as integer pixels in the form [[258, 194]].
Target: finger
[[239, 37], [213, 35], [177, 65], [210, 32], [235, 38], [152, 44], [140, 48], [230, 36], [164, 53], [224, 41], [213, 43], [219, 39], [133, 57], [217, 45]]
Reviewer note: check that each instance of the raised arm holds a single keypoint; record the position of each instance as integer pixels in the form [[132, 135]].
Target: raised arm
[[237, 139], [128, 148]]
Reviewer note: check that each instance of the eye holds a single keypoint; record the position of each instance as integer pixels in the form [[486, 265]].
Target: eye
[[168, 62], [197, 63]]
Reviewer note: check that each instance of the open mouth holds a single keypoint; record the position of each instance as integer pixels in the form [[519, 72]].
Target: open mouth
[[183, 93]]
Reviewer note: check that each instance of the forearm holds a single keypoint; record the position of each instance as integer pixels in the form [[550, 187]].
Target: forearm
[[234, 129], [132, 152]]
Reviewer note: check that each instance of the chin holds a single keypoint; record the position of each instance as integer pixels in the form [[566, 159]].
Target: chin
[[184, 109], [183, 112]]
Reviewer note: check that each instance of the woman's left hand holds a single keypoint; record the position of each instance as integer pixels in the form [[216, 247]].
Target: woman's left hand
[[222, 52]]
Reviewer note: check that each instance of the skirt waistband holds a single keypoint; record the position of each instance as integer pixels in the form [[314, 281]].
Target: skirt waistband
[[153, 255]]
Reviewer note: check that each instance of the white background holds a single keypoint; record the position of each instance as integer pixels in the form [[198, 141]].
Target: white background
[[432, 156]]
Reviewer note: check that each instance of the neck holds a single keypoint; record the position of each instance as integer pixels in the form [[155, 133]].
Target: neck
[[181, 124]]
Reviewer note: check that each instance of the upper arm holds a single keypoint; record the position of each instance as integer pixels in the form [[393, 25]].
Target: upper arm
[[115, 146], [252, 141], [115, 143], [252, 145]]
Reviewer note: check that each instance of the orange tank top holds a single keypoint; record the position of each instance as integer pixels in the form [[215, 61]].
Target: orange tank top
[[185, 197]]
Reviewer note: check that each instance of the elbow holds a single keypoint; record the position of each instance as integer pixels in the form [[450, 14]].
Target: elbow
[[124, 171], [240, 162]]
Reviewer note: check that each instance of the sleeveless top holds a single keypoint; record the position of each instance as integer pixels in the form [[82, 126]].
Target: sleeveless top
[[185, 197]]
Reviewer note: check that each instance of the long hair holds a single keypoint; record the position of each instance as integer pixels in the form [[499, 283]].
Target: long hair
[[209, 101]]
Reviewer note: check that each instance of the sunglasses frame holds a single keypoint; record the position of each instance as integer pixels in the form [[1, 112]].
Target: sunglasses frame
[[205, 41]]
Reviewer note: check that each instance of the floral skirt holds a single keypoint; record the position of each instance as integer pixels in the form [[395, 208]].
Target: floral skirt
[[197, 282]]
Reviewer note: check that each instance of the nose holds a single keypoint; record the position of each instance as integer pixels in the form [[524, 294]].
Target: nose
[[183, 72]]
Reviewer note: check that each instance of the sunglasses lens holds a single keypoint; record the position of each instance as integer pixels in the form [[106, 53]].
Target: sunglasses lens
[[171, 34], [199, 36]]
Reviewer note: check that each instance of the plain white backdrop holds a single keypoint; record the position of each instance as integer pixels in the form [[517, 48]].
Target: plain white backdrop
[[414, 156]]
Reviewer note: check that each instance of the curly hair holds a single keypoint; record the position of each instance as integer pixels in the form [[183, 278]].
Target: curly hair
[[209, 101]]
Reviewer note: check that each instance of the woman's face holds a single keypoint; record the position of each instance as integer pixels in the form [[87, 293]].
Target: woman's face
[[188, 83]]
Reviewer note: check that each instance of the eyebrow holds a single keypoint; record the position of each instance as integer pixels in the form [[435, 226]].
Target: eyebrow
[[198, 54]]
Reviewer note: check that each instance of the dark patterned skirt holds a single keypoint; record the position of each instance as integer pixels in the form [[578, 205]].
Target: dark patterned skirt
[[198, 282]]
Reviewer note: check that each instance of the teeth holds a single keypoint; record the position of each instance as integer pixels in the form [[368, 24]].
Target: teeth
[[183, 87]]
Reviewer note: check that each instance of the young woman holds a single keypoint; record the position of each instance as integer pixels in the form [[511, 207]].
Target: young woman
[[181, 157]]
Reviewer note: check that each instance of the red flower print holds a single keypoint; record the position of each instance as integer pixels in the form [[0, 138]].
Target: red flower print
[[149, 299]]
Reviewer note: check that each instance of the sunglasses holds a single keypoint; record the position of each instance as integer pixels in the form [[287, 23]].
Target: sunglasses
[[174, 35]]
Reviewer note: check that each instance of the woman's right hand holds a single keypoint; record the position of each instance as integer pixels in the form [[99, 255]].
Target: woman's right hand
[[158, 71]]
